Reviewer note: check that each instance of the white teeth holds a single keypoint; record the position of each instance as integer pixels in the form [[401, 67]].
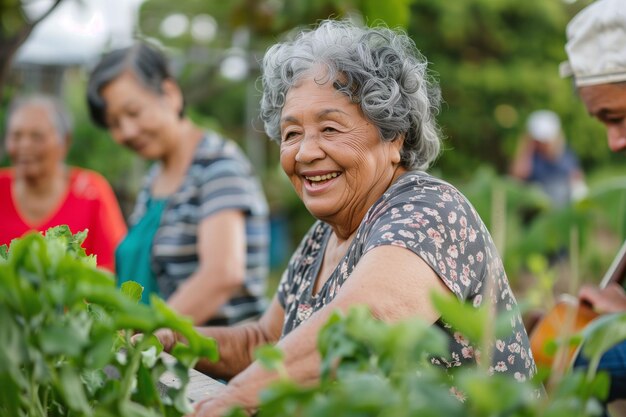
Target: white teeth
[[322, 177]]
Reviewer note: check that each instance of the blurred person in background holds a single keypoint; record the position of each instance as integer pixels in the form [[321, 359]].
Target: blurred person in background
[[544, 158], [40, 191], [199, 232], [596, 49]]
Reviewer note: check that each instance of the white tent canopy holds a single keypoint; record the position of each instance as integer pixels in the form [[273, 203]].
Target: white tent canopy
[[77, 31]]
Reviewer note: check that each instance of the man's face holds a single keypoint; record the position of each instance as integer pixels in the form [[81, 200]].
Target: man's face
[[607, 103]]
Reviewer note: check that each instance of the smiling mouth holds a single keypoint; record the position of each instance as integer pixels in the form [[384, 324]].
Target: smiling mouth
[[320, 179]]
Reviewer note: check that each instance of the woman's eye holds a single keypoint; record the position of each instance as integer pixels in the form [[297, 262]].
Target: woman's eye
[[615, 120], [38, 137], [112, 124], [289, 135], [611, 119]]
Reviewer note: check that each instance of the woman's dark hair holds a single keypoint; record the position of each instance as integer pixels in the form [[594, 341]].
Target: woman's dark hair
[[144, 61]]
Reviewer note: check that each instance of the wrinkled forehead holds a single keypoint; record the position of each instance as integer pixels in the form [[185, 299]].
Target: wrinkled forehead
[[35, 117], [604, 98], [32, 113]]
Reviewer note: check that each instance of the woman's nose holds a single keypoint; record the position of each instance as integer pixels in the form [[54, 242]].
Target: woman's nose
[[127, 130], [309, 149]]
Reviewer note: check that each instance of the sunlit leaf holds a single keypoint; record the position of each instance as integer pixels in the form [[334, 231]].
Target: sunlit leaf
[[132, 290], [271, 357]]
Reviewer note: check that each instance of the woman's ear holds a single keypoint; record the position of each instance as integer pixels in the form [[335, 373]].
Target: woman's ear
[[396, 148], [173, 95]]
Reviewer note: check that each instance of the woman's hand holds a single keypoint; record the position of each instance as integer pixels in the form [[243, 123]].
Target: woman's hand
[[217, 406], [167, 337]]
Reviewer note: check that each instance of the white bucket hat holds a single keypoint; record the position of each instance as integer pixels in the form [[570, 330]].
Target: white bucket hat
[[543, 126], [596, 44]]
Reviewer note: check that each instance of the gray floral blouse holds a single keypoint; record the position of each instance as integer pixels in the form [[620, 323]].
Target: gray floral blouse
[[436, 222]]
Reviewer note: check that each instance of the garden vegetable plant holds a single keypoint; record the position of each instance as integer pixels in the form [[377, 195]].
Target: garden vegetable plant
[[65, 332], [370, 368]]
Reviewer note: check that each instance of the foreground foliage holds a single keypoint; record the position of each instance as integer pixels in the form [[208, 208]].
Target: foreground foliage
[[66, 351], [370, 368], [65, 331]]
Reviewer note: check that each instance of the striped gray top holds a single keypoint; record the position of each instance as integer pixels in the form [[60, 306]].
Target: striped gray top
[[219, 178]]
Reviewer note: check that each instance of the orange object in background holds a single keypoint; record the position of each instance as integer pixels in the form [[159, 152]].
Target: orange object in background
[[566, 318]]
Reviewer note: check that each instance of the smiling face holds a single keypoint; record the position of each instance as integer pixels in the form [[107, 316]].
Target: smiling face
[[607, 103], [141, 119], [33, 143], [334, 156]]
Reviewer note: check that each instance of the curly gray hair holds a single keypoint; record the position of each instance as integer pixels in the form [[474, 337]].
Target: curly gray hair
[[379, 69], [58, 113]]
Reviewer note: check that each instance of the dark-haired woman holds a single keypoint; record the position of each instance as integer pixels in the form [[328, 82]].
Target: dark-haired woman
[[199, 231]]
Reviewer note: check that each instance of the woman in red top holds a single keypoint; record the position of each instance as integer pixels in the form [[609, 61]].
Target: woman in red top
[[39, 191]]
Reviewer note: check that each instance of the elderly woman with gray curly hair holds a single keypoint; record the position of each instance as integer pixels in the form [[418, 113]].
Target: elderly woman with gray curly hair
[[353, 110]]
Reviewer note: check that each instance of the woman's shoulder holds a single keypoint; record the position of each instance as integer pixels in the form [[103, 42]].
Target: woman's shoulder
[[420, 181], [6, 174], [215, 150], [6, 178], [88, 184], [214, 145], [421, 187], [417, 194]]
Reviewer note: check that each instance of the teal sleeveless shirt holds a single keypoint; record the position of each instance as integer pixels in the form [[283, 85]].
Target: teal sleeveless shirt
[[133, 256]]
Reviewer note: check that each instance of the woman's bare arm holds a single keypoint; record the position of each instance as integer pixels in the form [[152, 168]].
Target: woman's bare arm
[[395, 283], [221, 270], [236, 344]]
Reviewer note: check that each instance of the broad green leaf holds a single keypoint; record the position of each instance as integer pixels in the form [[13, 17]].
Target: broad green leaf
[[132, 409], [185, 354], [394, 13], [236, 412], [463, 317], [481, 387], [100, 349], [132, 290], [271, 357], [9, 396], [149, 356], [71, 387], [73, 242], [146, 392], [61, 339], [93, 380], [200, 345], [602, 334]]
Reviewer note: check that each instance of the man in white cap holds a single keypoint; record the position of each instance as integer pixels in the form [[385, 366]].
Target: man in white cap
[[596, 49]]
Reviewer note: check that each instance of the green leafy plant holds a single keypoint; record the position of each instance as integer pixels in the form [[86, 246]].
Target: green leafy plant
[[370, 368], [66, 337]]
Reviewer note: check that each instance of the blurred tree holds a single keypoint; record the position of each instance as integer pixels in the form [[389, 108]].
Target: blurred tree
[[15, 27], [497, 60]]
